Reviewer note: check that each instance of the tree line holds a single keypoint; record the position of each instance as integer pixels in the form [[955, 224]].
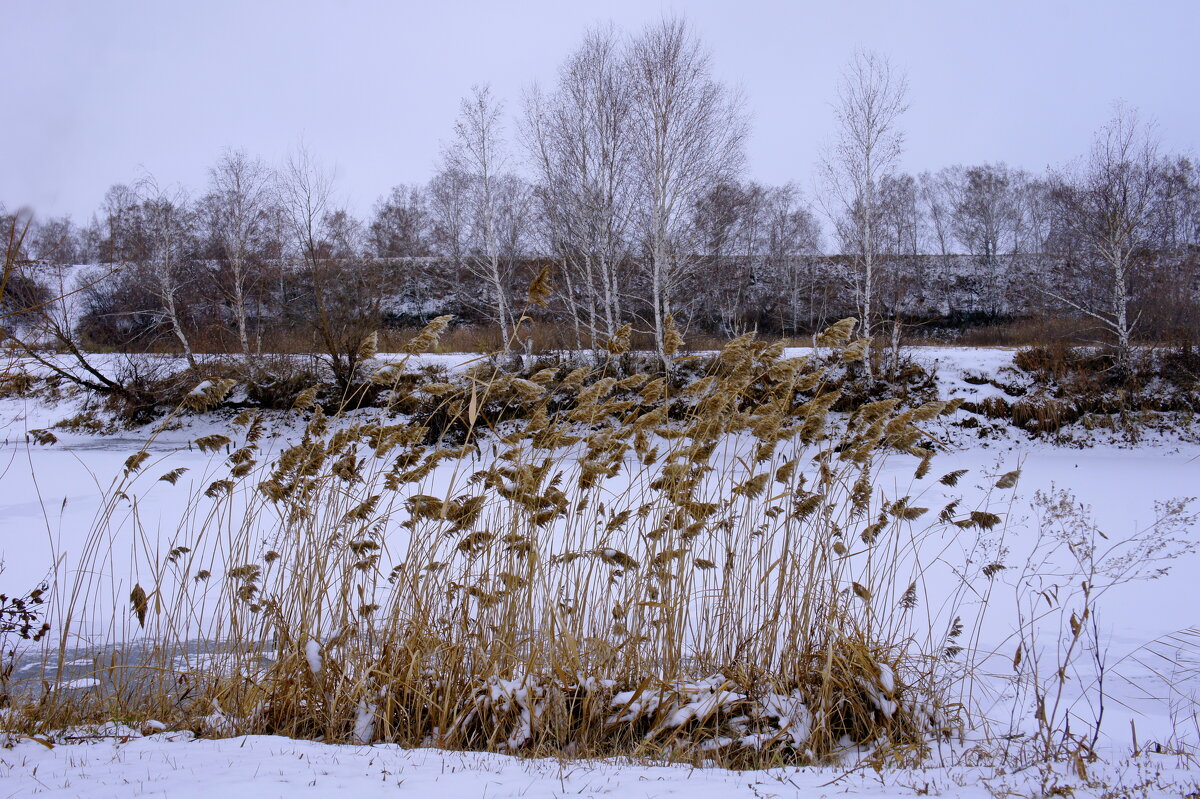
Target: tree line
[[622, 187]]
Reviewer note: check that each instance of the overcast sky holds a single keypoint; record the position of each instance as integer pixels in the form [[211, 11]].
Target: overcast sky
[[102, 92]]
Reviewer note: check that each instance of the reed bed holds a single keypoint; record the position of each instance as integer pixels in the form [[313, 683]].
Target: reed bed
[[709, 572]]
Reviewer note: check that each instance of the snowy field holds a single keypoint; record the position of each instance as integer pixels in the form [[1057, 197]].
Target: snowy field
[[258, 767], [1144, 678]]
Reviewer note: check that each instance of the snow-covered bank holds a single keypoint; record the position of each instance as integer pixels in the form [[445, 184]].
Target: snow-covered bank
[[261, 767]]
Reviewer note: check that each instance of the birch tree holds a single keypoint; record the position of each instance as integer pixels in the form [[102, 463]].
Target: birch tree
[[579, 143], [871, 98], [477, 152], [241, 189], [689, 132], [899, 274], [166, 223], [1105, 204]]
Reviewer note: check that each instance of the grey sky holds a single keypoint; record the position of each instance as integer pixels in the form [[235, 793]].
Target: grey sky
[[99, 92]]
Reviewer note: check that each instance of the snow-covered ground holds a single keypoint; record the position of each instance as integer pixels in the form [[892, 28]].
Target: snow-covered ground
[[1148, 631], [262, 767]]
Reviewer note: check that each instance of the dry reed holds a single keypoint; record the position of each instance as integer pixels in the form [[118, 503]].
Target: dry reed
[[709, 573]]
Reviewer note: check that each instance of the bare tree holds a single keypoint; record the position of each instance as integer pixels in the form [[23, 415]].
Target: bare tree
[[901, 220], [900, 274], [983, 210], [1168, 302], [241, 190], [449, 205], [937, 200], [871, 98], [477, 153], [514, 206], [689, 132], [166, 223], [352, 289], [986, 219], [305, 192], [55, 241], [579, 142], [1105, 205], [728, 221], [1177, 204], [37, 317], [328, 245], [404, 233], [791, 242], [401, 226], [1032, 228]]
